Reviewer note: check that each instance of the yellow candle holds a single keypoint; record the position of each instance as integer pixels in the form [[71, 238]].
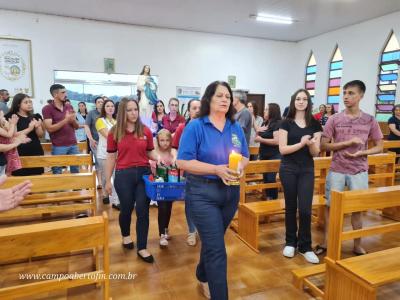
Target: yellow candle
[[234, 159]]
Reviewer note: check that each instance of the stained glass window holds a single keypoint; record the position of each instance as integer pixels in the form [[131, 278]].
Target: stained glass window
[[335, 76], [311, 71], [387, 79]]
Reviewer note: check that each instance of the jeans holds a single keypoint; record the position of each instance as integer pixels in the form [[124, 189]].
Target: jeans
[[271, 178], [102, 166], [212, 206], [130, 188], [298, 187], [338, 181], [189, 219], [94, 151], [63, 150], [3, 170], [164, 215]]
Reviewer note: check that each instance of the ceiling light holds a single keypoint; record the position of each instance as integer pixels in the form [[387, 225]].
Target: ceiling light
[[272, 19]]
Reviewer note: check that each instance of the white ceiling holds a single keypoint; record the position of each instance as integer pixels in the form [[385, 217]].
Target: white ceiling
[[219, 16]]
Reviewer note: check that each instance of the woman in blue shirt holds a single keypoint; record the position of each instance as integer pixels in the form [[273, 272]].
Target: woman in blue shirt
[[204, 154], [81, 118]]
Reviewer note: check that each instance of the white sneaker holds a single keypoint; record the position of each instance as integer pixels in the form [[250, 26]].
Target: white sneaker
[[167, 236], [288, 251], [192, 239], [163, 241], [311, 257], [205, 289]]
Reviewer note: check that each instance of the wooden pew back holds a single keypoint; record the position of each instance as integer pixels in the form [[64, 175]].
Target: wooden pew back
[[321, 167], [254, 150], [382, 174], [343, 203], [55, 190], [381, 168], [54, 183], [387, 146], [83, 148], [24, 242], [57, 160]]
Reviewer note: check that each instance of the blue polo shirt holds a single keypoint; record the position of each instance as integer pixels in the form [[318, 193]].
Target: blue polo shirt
[[202, 141]]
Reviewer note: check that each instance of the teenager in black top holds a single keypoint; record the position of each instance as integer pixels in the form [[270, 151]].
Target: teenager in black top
[[31, 125], [269, 146], [299, 142], [394, 128]]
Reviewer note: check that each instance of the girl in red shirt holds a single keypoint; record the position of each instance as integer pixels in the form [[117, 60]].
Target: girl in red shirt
[[129, 147]]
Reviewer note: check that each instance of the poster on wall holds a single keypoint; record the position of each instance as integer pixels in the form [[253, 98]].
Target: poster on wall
[[16, 66], [184, 95]]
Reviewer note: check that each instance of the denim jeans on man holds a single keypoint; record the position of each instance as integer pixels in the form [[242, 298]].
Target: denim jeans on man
[[298, 187], [212, 206], [130, 188], [63, 150]]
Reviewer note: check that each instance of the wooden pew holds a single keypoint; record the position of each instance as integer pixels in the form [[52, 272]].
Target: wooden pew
[[359, 277], [386, 176], [54, 191], [44, 161], [251, 212], [83, 148], [384, 128], [254, 150], [23, 242], [387, 145], [381, 169], [382, 174]]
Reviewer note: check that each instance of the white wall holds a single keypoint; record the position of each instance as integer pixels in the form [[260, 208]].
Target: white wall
[[178, 57], [361, 47]]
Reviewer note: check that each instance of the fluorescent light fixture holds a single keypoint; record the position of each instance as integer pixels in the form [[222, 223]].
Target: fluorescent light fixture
[[272, 19]]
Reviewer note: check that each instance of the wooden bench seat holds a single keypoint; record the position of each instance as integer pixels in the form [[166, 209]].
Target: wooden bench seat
[[343, 203], [66, 193], [359, 277], [376, 268], [23, 242], [250, 213]]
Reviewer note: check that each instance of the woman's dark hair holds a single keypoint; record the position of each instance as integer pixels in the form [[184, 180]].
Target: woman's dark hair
[[16, 103], [116, 105], [84, 105], [255, 108], [209, 93], [144, 67], [190, 103], [155, 107], [187, 113], [332, 108], [103, 108], [292, 109], [274, 112], [394, 108]]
